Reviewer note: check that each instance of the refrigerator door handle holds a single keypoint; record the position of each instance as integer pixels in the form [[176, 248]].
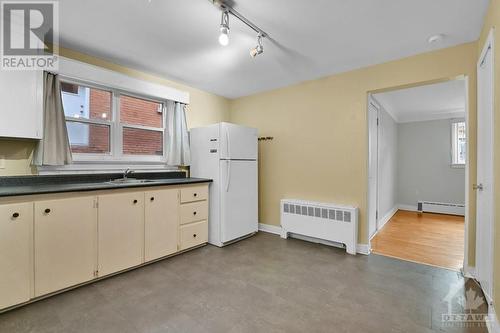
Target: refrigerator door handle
[[228, 144], [228, 178]]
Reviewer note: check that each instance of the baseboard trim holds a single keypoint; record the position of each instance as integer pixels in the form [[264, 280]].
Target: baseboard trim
[[469, 272], [492, 322], [385, 219], [411, 208], [276, 230], [272, 229], [363, 249]]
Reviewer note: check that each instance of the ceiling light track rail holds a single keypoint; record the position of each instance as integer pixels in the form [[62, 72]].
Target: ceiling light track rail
[[225, 7]]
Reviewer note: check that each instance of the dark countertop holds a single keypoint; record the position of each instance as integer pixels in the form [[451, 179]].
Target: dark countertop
[[30, 185]]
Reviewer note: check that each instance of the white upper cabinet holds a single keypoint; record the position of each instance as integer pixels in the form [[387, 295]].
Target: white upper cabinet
[[21, 104]]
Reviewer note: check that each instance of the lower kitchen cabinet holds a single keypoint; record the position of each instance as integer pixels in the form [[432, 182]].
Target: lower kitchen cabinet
[[193, 234], [16, 237], [161, 223], [120, 231], [65, 243], [49, 243]]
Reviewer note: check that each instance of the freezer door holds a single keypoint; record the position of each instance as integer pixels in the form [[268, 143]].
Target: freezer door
[[238, 142], [239, 199]]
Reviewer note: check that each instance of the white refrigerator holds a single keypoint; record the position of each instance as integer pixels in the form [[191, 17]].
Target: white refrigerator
[[227, 154]]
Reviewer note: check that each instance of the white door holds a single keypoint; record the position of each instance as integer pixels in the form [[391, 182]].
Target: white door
[[372, 168], [484, 215], [239, 199], [238, 142]]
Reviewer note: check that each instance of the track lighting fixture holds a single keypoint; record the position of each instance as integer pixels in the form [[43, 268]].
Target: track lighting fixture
[[224, 29], [259, 49], [226, 9]]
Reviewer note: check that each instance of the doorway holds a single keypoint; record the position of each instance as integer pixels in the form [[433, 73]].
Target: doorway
[[417, 173]]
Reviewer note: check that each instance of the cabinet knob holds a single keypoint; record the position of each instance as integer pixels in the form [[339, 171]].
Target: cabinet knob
[[195, 194], [194, 235], [152, 198], [194, 213], [15, 215], [135, 201], [47, 210]]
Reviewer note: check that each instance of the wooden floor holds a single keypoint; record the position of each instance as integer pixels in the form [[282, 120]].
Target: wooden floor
[[432, 239]]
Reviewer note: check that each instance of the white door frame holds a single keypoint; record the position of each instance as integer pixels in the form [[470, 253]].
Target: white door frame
[[468, 271], [372, 220], [488, 47]]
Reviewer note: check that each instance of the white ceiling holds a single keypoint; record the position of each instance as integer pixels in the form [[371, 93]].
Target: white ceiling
[[177, 39], [435, 101]]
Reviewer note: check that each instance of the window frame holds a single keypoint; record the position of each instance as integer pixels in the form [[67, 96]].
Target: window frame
[[454, 142], [115, 154]]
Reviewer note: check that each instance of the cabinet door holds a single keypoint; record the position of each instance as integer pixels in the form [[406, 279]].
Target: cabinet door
[[161, 223], [120, 231], [65, 243], [21, 103], [16, 227]]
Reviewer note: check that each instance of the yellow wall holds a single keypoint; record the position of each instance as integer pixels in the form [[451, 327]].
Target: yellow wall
[[493, 20], [205, 108], [320, 145]]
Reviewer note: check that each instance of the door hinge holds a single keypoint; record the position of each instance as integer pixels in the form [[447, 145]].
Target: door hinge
[[377, 122], [96, 273], [376, 215]]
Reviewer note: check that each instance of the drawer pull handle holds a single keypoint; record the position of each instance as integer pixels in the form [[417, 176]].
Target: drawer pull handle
[[194, 213], [15, 215], [195, 194], [135, 201], [194, 235], [47, 210], [152, 198]]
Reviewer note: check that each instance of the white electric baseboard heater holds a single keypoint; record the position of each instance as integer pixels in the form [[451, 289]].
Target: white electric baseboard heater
[[323, 221], [441, 208]]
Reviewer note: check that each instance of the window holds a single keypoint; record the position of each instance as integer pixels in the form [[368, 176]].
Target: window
[[142, 123], [458, 143], [107, 125]]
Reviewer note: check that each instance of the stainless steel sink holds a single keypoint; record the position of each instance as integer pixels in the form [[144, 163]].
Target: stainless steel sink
[[130, 181]]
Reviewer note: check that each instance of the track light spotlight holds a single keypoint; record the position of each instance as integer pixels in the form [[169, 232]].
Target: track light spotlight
[[224, 29], [259, 49]]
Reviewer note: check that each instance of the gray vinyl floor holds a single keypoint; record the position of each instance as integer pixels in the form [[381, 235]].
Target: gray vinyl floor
[[262, 284]]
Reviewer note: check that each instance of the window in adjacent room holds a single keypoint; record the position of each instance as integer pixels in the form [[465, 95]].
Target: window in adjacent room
[[458, 143]]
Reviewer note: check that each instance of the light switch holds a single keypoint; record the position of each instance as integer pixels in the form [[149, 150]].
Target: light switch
[[2, 162]]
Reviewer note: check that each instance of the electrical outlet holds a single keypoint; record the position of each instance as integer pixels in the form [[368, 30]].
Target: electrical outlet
[[2, 162]]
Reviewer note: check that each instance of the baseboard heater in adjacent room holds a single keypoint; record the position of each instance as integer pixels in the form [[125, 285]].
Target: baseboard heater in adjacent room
[[441, 208], [322, 221]]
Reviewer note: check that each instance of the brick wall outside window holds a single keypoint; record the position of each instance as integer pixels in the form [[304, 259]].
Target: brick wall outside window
[[137, 111], [133, 111], [99, 135]]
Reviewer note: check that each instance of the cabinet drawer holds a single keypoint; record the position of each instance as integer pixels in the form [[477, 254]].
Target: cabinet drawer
[[193, 234], [194, 193], [195, 211]]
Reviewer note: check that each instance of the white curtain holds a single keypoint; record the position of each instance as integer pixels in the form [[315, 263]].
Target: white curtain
[[54, 148], [178, 152]]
